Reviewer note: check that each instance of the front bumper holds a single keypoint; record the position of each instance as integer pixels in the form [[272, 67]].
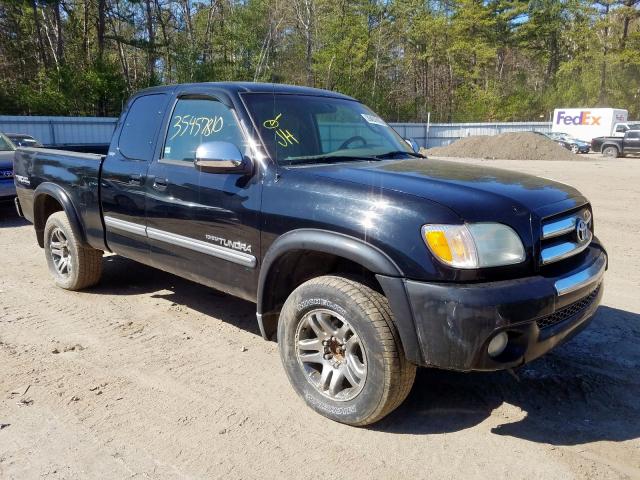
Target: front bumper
[[455, 323]]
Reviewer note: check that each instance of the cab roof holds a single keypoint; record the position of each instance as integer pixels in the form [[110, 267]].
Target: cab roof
[[250, 87]]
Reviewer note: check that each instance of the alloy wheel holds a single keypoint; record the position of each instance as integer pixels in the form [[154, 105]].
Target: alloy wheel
[[331, 355], [59, 249]]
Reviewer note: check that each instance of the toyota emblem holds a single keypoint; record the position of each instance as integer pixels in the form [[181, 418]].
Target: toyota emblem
[[582, 231]]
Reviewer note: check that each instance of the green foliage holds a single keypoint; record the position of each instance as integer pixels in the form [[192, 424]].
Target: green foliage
[[457, 60]]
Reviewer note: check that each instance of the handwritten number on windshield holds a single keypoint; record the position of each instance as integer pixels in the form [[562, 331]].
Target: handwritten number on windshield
[[205, 126]]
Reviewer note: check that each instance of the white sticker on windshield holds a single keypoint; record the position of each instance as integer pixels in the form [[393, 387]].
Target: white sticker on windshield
[[167, 150], [373, 119]]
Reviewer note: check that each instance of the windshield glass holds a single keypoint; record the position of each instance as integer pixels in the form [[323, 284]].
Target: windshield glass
[[306, 129], [5, 144]]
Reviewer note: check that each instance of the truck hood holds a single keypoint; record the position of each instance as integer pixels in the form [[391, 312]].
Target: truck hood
[[475, 193]]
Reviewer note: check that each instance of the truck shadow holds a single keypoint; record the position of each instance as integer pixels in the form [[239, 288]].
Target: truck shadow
[[582, 392], [126, 277]]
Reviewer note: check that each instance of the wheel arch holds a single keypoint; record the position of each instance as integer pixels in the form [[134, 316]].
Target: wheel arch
[[299, 255], [49, 198], [610, 144]]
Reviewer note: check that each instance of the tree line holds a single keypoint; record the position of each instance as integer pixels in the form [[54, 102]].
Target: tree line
[[457, 60]]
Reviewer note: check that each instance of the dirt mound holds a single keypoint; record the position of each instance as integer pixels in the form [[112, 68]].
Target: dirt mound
[[507, 146]]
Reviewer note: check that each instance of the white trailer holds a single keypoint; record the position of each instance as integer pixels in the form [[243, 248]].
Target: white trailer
[[588, 123]]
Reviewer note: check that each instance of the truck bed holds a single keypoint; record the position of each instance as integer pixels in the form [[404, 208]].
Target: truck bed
[[37, 170]]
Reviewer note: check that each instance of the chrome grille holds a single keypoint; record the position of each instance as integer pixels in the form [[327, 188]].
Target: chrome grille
[[567, 312], [563, 237]]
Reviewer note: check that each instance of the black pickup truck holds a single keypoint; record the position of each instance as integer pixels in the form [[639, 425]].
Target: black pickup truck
[[618, 146], [364, 258]]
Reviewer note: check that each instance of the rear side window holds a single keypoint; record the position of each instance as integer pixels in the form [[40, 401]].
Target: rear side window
[[195, 121], [141, 125]]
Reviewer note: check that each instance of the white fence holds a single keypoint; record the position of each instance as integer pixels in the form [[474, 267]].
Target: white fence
[[61, 131]]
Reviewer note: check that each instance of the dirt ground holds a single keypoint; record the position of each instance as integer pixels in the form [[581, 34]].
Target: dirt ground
[[151, 376], [509, 145]]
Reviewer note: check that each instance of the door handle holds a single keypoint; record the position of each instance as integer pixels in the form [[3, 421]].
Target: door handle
[[135, 179], [160, 183]]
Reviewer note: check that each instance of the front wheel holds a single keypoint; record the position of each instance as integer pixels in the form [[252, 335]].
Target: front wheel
[[575, 149], [341, 350], [72, 266]]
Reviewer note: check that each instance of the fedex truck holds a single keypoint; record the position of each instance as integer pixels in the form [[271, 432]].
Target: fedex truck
[[588, 123]]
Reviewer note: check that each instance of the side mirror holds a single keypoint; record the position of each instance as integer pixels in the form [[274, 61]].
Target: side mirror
[[413, 144], [219, 157]]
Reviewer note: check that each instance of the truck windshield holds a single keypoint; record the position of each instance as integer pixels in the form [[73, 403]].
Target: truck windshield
[[303, 129], [5, 144]]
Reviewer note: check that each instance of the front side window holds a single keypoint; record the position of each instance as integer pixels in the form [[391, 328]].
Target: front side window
[[195, 121], [309, 129]]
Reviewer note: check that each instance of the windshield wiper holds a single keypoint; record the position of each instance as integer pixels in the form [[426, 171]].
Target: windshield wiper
[[397, 153]]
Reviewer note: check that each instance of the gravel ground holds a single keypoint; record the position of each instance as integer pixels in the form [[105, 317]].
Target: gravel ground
[[151, 376]]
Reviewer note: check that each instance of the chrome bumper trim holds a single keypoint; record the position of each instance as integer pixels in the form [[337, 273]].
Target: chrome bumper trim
[[588, 276]]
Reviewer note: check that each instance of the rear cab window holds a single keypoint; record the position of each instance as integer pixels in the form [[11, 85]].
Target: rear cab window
[[141, 125]]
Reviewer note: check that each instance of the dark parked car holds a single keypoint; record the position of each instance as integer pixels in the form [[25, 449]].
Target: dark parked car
[[7, 152], [570, 143], [23, 140], [364, 258], [618, 146]]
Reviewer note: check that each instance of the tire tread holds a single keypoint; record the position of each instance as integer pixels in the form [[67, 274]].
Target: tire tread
[[89, 264], [399, 373]]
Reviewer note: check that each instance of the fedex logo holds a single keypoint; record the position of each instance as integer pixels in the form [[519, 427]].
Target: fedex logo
[[585, 118]]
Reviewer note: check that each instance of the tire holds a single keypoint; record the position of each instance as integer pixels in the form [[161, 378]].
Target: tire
[[72, 266], [610, 152], [362, 375], [575, 149]]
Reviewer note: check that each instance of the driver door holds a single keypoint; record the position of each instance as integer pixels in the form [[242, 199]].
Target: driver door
[[203, 226]]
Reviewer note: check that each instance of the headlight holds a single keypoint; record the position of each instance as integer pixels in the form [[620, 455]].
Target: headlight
[[474, 245]]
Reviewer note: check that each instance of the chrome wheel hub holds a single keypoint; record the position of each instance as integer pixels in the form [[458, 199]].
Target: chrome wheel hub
[[59, 248], [330, 353]]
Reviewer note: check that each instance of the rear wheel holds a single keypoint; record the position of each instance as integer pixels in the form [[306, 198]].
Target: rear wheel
[[72, 266], [341, 350], [610, 152]]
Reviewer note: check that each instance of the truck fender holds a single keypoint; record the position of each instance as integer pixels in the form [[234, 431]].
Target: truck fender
[[368, 256], [48, 189], [610, 144]]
